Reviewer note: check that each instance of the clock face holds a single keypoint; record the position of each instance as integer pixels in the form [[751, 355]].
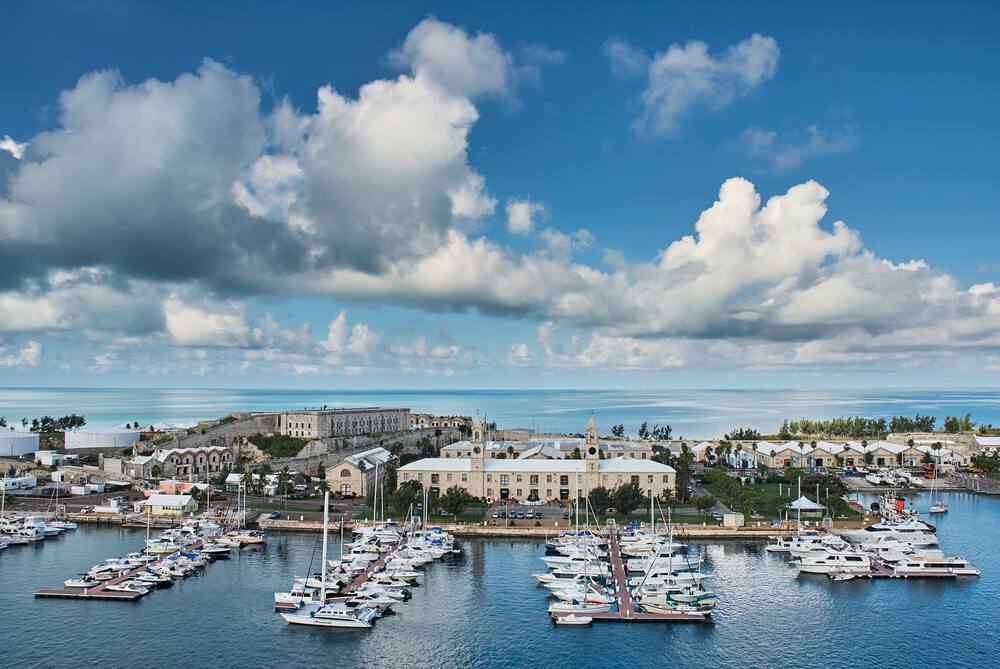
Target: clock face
[[592, 450], [476, 450]]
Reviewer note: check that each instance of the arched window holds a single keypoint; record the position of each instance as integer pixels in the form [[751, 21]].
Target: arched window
[[345, 473]]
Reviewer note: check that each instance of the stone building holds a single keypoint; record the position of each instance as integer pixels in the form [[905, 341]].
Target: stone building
[[356, 473], [540, 474], [325, 423]]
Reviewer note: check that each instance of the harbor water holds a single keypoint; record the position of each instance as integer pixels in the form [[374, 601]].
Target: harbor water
[[483, 609]]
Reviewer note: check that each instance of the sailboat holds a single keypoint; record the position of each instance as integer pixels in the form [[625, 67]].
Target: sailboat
[[936, 506], [337, 614]]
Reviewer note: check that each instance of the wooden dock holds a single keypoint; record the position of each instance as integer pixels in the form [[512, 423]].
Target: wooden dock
[[627, 612], [101, 592]]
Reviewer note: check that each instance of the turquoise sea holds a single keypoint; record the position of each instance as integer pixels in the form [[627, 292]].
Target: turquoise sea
[[691, 413], [483, 610]]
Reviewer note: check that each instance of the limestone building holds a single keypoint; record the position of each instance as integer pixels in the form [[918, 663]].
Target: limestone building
[[355, 474], [324, 423], [538, 473]]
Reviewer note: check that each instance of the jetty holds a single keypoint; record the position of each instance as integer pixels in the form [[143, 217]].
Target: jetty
[[626, 611], [101, 592]]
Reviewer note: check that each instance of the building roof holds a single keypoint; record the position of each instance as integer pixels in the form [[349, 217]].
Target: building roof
[[987, 441], [439, 464], [543, 450], [370, 457], [169, 501]]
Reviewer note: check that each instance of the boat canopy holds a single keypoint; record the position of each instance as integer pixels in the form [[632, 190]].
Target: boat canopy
[[805, 504]]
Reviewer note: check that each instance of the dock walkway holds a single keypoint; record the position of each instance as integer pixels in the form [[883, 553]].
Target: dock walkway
[[101, 592], [627, 612]]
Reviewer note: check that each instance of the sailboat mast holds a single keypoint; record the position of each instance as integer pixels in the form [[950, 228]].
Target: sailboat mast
[[326, 523]]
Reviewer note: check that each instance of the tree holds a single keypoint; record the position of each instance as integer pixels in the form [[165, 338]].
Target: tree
[[3, 422], [409, 493], [600, 499], [628, 497], [644, 430], [785, 432], [704, 503], [284, 478], [685, 471], [743, 434], [576, 454], [454, 500], [952, 425], [618, 430]]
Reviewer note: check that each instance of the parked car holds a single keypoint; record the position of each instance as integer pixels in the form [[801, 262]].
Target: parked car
[[87, 509], [496, 514], [301, 487], [565, 515], [520, 515], [538, 515], [274, 514]]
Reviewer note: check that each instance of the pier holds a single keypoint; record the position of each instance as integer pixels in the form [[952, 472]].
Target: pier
[[627, 612], [101, 592]]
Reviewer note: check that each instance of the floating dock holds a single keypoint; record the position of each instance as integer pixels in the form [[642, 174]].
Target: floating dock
[[627, 612], [100, 591]]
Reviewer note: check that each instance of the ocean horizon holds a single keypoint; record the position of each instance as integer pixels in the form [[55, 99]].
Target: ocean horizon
[[693, 414]]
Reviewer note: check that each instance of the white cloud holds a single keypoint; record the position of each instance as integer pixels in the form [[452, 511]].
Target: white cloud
[[790, 148], [685, 79], [12, 147], [522, 214], [359, 340], [467, 65], [206, 323], [29, 356], [625, 60]]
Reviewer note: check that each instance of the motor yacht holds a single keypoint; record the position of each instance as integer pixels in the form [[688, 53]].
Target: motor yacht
[[933, 563], [912, 531], [857, 562], [332, 615]]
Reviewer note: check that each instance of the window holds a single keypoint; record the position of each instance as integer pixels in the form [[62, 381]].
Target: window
[[534, 479], [465, 477], [643, 455], [635, 480], [489, 493], [548, 493], [519, 478], [345, 473], [504, 479], [548, 478], [489, 478], [563, 479], [435, 478], [650, 478], [666, 479], [520, 493], [449, 477], [406, 476]]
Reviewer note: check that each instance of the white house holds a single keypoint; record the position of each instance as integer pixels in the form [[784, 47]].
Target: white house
[[171, 505]]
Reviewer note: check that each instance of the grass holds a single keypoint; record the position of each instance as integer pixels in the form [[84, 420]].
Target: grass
[[275, 506], [278, 445]]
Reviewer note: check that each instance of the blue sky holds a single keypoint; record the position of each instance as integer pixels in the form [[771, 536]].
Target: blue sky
[[178, 217]]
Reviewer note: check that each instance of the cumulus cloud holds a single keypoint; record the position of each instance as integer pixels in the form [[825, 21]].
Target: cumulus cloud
[[467, 65], [685, 79], [625, 60], [29, 356], [521, 215], [790, 148], [13, 148], [205, 323]]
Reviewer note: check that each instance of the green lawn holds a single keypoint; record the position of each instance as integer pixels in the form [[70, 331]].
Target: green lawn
[[277, 506]]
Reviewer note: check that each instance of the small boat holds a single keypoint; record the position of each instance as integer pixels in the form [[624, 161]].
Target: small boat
[[573, 619], [80, 583], [841, 576], [937, 507], [576, 606], [128, 586]]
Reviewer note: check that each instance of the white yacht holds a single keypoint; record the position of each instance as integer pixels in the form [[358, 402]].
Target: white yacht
[[855, 562], [932, 563], [915, 532], [575, 606], [816, 544]]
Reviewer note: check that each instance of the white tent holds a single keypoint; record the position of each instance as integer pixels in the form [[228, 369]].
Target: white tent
[[805, 504]]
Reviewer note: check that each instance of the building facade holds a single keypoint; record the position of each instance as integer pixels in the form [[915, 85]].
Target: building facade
[[325, 423], [539, 475], [426, 420], [356, 473]]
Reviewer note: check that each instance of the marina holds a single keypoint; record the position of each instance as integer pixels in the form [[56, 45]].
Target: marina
[[478, 603]]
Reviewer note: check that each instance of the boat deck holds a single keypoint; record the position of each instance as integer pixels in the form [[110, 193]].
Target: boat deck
[[100, 591], [626, 612]]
